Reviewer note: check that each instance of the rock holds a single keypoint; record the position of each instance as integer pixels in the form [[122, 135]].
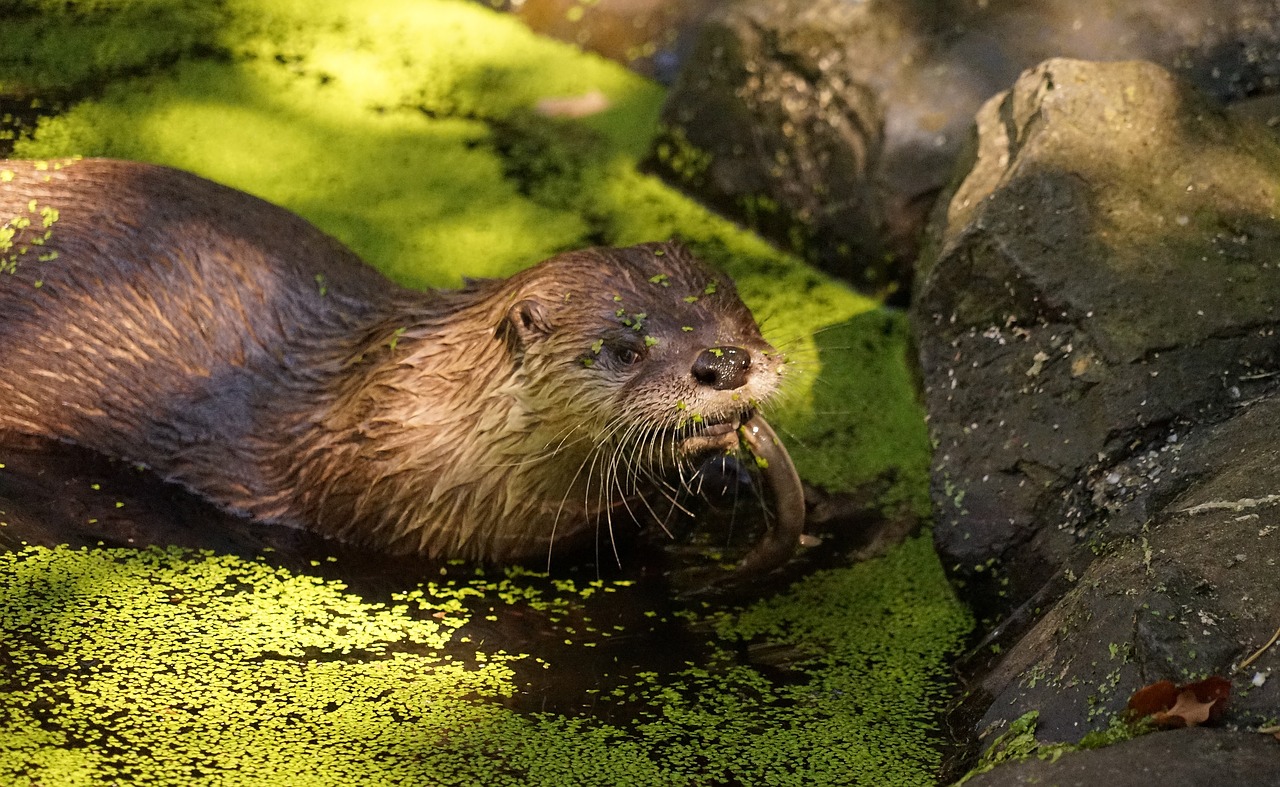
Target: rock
[[769, 123], [650, 37], [1192, 756], [1185, 587], [1096, 315], [830, 125], [1104, 273]]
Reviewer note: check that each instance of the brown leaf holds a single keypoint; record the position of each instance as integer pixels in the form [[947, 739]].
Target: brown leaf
[[1186, 712], [1213, 689], [1189, 705], [1150, 700]]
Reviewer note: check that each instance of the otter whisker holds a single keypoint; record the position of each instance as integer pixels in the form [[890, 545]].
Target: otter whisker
[[608, 510], [654, 514], [634, 438], [555, 523], [671, 494], [588, 464]]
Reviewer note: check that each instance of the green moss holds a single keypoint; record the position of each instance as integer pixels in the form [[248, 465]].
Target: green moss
[[390, 185], [60, 48], [163, 666], [680, 155], [1014, 744], [407, 130], [1019, 742]]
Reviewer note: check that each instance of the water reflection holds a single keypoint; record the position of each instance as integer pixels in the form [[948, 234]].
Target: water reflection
[[651, 37]]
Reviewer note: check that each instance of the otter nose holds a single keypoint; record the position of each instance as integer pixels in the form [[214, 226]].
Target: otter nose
[[722, 368]]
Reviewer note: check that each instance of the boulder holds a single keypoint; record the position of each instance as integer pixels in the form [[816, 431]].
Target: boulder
[[770, 122], [1096, 314], [1105, 273], [830, 125], [1184, 586], [1192, 757]]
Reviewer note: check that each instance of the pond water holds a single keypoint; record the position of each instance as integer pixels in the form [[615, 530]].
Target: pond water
[[53, 494], [287, 634], [651, 37]]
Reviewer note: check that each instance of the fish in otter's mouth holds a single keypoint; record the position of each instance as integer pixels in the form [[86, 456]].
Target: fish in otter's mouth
[[749, 431]]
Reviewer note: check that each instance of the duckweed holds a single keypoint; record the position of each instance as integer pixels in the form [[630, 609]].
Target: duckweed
[[165, 666], [391, 129]]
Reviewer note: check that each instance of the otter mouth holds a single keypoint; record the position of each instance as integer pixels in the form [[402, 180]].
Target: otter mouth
[[720, 435], [750, 431], [724, 427]]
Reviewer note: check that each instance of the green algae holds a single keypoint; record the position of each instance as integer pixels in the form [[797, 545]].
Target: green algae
[[856, 709], [22, 236], [57, 48], [409, 132], [393, 133], [165, 666], [1019, 742]]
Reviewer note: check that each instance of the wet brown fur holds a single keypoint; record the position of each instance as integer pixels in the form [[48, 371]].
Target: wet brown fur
[[235, 349]]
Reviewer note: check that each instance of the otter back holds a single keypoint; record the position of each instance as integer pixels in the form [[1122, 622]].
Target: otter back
[[145, 312], [157, 317]]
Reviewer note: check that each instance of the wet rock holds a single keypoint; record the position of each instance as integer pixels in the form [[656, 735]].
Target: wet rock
[[1096, 316], [831, 125], [1193, 756], [1184, 587], [770, 123], [651, 37], [1104, 272]]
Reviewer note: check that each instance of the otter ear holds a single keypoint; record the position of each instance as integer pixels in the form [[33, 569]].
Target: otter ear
[[526, 322]]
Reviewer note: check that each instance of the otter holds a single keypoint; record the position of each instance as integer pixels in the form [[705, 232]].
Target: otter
[[233, 348]]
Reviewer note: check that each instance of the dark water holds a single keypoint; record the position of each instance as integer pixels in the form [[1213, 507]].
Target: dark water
[[651, 37], [52, 494]]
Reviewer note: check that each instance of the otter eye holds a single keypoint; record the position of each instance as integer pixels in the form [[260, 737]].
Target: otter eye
[[621, 353], [618, 351]]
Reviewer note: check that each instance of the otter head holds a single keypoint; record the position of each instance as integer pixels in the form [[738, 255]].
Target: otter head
[[521, 413], [635, 361]]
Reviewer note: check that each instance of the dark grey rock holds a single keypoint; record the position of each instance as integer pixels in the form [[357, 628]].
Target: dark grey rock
[[831, 124], [769, 123], [1184, 587], [1181, 757], [1106, 272], [1096, 315]]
